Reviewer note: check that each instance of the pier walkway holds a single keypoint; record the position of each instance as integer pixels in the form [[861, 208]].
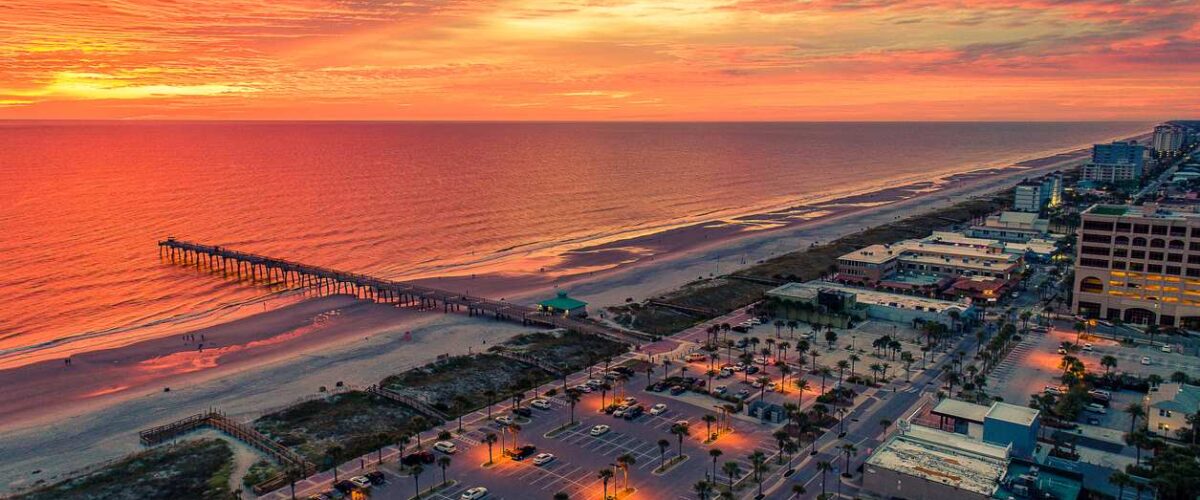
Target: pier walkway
[[242, 265]]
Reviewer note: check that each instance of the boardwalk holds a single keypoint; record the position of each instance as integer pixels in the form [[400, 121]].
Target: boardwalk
[[258, 268]]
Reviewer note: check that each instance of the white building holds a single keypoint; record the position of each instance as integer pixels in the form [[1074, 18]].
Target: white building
[[1168, 139], [1027, 197], [1167, 409], [927, 463], [1017, 227]]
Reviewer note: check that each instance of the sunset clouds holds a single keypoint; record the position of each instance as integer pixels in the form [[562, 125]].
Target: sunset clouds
[[600, 60]]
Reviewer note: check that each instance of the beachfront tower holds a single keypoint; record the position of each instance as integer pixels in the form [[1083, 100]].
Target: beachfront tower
[[564, 306]]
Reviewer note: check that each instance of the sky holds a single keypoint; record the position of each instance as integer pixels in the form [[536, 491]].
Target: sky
[[600, 60]]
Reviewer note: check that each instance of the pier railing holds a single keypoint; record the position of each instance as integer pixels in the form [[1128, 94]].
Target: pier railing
[[243, 265], [237, 430]]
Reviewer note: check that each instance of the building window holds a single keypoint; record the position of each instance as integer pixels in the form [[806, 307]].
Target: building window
[[1091, 284], [1116, 264], [1136, 266], [1156, 256], [1178, 231], [1094, 251], [1124, 226], [1154, 268], [1174, 257], [1096, 238], [1095, 225], [1124, 240], [1175, 245], [1139, 242], [1100, 263], [1158, 243], [1174, 270], [1138, 254], [1120, 252], [1161, 230], [1141, 229]]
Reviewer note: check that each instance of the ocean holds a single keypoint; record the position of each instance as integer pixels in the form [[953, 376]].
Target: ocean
[[82, 204]]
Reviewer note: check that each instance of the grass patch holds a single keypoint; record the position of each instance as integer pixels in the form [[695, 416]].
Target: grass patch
[[342, 426], [569, 351], [723, 295], [671, 463], [189, 469], [459, 384], [260, 471]]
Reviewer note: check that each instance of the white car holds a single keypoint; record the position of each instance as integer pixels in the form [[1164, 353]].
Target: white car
[[594, 382], [658, 409], [1165, 348], [1087, 347], [583, 388], [1145, 360], [543, 458], [599, 430], [630, 400], [504, 420], [620, 411], [1096, 408], [446, 447], [474, 493], [760, 360], [361, 481], [540, 403]]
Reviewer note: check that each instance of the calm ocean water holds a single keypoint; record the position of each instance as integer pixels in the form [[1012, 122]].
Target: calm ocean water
[[82, 204]]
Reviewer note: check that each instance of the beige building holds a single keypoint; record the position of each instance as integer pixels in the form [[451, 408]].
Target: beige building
[[927, 463], [1139, 264], [1012, 226], [1167, 408], [936, 256]]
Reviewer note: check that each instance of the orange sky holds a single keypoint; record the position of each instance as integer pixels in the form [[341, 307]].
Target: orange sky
[[601, 60]]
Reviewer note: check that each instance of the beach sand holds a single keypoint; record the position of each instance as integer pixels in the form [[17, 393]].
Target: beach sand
[[60, 419]]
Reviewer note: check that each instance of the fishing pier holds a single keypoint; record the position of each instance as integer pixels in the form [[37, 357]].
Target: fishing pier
[[259, 268]]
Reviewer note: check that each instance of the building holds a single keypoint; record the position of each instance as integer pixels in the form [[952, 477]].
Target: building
[[1017, 227], [1139, 264], [1115, 162], [1168, 139], [860, 304], [1027, 197], [924, 463], [937, 257], [1001, 424], [1168, 408], [564, 306]]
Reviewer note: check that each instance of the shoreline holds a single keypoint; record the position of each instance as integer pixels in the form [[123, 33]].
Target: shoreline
[[274, 358]]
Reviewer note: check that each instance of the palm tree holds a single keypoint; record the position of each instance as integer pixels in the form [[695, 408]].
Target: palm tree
[[443, 462], [824, 467], [731, 470], [1120, 480], [1108, 362], [758, 462], [715, 453], [778, 326], [401, 444], [416, 471], [798, 490], [490, 439], [849, 450], [702, 488], [763, 381], [491, 397], [604, 387], [515, 429], [663, 444], [572, 399], [907, 358], [708, 419], [885, 423], [605, 474], [623, 463], [417, 422], [801, 386], [841, 366], [1135, 412], [875, 369], [825, 372], [781, 438], [679, 430], [332, 455]]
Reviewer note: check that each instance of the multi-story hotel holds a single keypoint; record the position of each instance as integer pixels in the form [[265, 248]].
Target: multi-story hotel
[[1115, 162], [1139, 264], [932, 258], [1168, 139]]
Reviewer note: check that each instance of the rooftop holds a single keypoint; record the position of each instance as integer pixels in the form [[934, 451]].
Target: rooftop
[[961, 410], [944, 457], [1006, 412], [868, 297], [876, 254], [1177, 397], [1150, 211], [562, 302]]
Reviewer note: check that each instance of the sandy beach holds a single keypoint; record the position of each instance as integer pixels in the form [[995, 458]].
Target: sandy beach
[[60, 418]]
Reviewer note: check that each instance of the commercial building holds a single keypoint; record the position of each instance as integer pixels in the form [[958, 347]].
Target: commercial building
[[1168, 139], [1017, 227], [1035, 195], [1115, 162], [924, 463], [563, 305], [1001, 424], [797, 300], [1168, 408], [936, 257], [1139, 264]]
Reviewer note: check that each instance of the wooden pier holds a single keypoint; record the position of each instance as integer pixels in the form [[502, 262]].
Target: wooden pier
[[242, 432], [258, 269]]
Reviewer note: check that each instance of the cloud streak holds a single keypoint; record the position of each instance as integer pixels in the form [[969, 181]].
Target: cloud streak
[[617, 59]]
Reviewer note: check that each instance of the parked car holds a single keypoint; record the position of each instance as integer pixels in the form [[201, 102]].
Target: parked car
[[1165, 348], [523, 453], [630, 400], [720, 389], [1052, 389], [344, 486], [474, 493], [543, 458], [504, 420], [658, 387], [524, 412], [1145, 360], [725, 373], [740, 329], [743, 394], [695, 357], [376, 477], [658, 409], [677, 390], [446, 447], [540, 404], [633, 413], [420, 457], [361, 481], [620, 411], [1087, 347], [1096, 408], [583, 388], [599, 430], [751, 369]]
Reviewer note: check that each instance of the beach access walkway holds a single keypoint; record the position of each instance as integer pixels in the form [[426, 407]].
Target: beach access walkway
[[259, 268]]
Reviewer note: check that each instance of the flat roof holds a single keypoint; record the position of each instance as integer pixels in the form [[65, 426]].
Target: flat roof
[[875, 254], [1140, 212], [1007, 412], [869, 297], [953, 238], [944, 457], [961, 410]]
